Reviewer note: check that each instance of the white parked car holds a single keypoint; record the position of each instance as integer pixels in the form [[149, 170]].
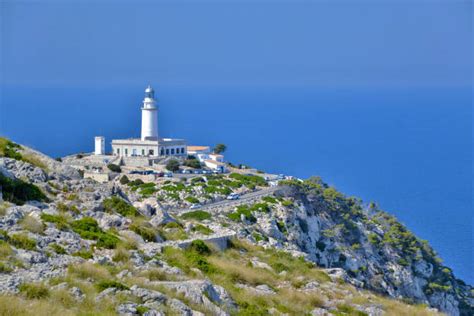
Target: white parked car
[[233, 196], [195, 206]]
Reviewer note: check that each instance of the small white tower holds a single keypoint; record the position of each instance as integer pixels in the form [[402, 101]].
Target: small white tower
[[99, 145], [149, 116]]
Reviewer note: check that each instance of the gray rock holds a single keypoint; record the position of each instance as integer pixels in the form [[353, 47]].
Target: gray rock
[[162, 217], [77, 293], [127, 309]]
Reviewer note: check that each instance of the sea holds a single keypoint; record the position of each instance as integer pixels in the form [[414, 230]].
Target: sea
[[407, 149]]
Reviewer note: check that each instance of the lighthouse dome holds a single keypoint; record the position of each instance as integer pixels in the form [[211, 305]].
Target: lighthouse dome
[[149, 92]]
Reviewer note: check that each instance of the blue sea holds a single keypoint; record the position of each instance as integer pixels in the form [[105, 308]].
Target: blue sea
[[410, 150]]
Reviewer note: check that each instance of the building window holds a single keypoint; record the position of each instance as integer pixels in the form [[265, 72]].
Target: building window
[[118, 151], [167, 151], [151, 152], [172, 151], [182, 150], [162, 152], [126, 151], [143, 152]]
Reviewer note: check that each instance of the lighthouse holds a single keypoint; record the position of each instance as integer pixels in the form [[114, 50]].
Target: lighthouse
[[149, 145], [149, 116]]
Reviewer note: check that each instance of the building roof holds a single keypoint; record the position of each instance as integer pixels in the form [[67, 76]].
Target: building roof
[[198, 148], [216, 155]]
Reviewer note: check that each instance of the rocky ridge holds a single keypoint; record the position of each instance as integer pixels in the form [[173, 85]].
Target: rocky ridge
[[119, 249]]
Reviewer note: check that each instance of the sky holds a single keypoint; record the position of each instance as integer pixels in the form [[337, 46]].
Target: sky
[[273, 43]]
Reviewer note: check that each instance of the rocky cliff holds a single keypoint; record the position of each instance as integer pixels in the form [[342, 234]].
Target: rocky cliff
[[70, 245]]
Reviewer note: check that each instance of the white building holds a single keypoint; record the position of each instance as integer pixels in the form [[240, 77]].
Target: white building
[[150, 144], [99, 145], [200, 152]]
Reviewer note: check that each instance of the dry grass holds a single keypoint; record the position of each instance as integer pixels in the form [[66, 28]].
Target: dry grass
[[32, 224], [5, 250], [394, 307], [3, 208], [89, 270], [35, 160]]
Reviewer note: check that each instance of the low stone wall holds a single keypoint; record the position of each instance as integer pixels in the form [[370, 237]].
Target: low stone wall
[[99, 177]]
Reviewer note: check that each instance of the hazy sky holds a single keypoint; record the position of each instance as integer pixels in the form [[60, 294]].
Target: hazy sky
[[324, 43]]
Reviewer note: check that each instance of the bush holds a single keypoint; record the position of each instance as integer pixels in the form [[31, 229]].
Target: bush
[[114, 168], [199, 247], [88, 228], [18, 191], [4, 268], [84, 254], [34, 291], [245, 210], [197, 215], [22, 241], [269, 199], [192, 163], [60, 220], [103, 285], [136, 182], [202, 229], [124, 180], [116, 204], [58, 249], [192, 199], [32, 224], [249, 181], [144, 229], [173, 165], [9, 149]]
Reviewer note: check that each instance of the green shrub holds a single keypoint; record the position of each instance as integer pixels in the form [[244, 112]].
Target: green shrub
[[287, 203], [260, 207], [18, 191], [60, 221], [105, 284], [281, 226], [199, 247], [269, 199], [124, 180], [197, 215], [9, 149], [22, 241], [116, 204], [147, 192], [249, 181], [172, 165], [192, 163], [142, 309], [84, 254], [145, 230], [245, 210], [114, 168], [192, 199], [136, 182], [438, 287], [34, 291], [202, 229], [373, 238], [4, 268], [58, 249], [88, 228]]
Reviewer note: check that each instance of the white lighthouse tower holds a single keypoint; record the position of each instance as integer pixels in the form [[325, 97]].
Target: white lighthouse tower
[[149, 116]]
